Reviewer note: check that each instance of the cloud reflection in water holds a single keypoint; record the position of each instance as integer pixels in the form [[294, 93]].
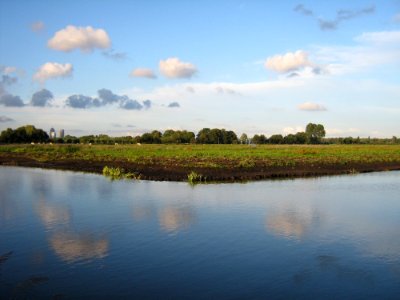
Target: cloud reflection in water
[[72, 247]]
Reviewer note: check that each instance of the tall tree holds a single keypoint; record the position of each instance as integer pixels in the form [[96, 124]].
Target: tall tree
[[315, 133], [243, 138]]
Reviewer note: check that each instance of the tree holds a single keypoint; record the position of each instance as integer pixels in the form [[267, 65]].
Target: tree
[[203, 136], [156, 136], [315, 133], [24, 134], [216, 136], [276, 139], [177, 137], [259, 139], [290, 139], [243, 138], [301, 138]]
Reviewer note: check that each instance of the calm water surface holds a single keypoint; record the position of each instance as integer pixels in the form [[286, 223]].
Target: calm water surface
[[72, 235]]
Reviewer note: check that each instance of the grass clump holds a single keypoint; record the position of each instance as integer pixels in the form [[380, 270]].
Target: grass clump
[[194, 177], [119, 173], [246, 163]]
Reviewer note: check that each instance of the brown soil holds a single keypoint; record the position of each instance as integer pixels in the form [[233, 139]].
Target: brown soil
[[174, 172]]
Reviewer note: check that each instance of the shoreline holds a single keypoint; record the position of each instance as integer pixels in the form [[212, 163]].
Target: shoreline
[[175, 172]]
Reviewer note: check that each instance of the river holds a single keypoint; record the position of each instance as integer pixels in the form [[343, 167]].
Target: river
[[68, 235]]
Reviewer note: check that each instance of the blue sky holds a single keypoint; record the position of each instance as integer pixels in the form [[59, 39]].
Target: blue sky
[[248, 66]]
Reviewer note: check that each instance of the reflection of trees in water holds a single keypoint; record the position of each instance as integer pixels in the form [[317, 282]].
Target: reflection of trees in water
[[176, 218], [292, 222], [72, 247]]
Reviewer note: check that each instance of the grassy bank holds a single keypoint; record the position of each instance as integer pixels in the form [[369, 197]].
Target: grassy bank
[[230, 161]]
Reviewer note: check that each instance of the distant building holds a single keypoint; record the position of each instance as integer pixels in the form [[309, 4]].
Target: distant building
[[52, 133], [61, 134]]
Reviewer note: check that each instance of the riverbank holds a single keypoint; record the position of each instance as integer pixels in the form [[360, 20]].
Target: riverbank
[[212, 162]]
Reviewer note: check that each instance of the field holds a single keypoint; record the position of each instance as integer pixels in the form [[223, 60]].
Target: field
[[213, 162]]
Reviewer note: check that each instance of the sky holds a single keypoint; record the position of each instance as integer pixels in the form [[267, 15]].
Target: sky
[[255, 67]]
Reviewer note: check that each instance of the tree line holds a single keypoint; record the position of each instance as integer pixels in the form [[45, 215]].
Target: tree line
[[314, 134]]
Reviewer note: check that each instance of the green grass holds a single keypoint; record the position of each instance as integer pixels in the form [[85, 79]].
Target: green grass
[[194, 178], [212, 156], [118, 173]]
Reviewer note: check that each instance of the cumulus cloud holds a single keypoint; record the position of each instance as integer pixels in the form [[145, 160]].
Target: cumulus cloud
[[7, 99], [106, 97], [37, 26], [341, 15], [289, 62], [309, 106], [114, 55], [4, 119], [109, 97], [147, 104], [130, 104], [7, 80], [41, 98], [11, 100], [81, 101], [143, 72], [86, 39], [174, 68], [174, 105], [52, 70]]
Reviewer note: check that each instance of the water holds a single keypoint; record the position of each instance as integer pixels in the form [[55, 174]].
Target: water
[[67, 235]]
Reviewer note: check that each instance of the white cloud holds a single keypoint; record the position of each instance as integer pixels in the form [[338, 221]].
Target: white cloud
[[143, 72], [84, 38], [289, 62], [292, 130], [53, 70], [309, 106], [226, 90], [174, 68], [332, 132], [380, 37], [37, 26], [374, 49], [396, 18], [8, 70], [190, 89]]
